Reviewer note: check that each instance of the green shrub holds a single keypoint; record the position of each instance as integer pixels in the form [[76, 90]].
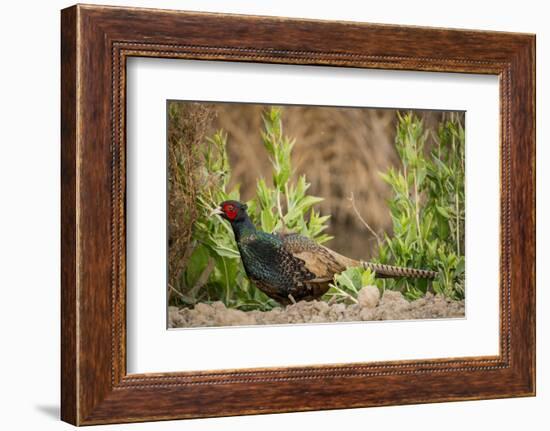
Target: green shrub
[[286, 205], [427, 208]]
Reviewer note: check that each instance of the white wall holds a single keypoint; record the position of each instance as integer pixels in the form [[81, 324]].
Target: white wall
[[29, 215]]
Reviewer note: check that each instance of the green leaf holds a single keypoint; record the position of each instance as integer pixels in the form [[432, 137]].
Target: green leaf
[[268, 220], [460, 266], [196, 264], [307, 202], [367, 278]]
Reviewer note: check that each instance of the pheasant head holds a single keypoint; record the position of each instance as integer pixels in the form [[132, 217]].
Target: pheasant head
[[235, 213]]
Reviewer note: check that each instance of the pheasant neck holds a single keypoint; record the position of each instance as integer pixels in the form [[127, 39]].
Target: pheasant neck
[[242, 227]]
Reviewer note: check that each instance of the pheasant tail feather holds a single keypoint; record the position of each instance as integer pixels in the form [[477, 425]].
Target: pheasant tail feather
[[383, 271]]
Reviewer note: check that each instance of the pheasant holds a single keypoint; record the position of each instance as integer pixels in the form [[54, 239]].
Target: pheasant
[[290, 267]]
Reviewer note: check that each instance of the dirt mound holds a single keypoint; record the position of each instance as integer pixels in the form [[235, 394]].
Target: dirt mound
[[392, 306]]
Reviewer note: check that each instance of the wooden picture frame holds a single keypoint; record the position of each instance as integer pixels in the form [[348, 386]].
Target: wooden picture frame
[[95, 43]]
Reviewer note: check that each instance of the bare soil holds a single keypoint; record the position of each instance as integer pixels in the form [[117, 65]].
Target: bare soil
[[392, 306]]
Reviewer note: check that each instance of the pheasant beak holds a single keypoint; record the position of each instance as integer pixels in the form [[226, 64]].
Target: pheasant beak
[[215, 211]]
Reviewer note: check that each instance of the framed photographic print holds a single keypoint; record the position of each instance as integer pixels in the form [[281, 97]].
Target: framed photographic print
[[322, 214]]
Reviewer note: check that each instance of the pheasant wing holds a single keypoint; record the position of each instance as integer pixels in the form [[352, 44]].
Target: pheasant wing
[[272, 267], [318, 259]]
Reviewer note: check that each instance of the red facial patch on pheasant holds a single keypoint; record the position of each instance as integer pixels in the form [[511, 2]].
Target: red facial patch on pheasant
[[230, 211]]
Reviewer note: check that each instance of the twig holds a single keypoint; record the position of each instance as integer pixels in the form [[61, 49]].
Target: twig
[[226, 281], [280, 209], [187, 253], [457, 223], [332, 300], [176, 291], [344, 293], [416, 206], [203, 278], [358, 214]]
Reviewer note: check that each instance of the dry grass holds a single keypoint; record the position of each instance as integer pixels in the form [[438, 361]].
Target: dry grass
[[187, 127]]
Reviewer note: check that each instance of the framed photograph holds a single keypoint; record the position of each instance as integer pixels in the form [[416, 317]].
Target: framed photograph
[[266, 215]]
